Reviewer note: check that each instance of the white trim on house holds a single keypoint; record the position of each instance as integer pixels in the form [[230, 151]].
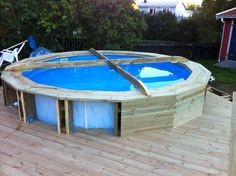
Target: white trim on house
[[218, 14], [230, 37], [222, 38]]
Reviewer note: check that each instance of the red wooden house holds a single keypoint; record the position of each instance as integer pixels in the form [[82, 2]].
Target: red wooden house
[[228, 41]]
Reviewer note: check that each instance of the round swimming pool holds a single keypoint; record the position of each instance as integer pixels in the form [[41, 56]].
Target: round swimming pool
[[104, 78], [123, 92]]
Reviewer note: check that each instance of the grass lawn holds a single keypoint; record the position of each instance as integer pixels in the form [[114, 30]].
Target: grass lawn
[[225, 78]]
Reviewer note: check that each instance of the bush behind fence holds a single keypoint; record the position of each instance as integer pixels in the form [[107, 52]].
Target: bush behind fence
[[188, 50]]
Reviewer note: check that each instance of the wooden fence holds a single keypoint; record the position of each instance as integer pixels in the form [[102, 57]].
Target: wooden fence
[[188, 50], [72, 43]]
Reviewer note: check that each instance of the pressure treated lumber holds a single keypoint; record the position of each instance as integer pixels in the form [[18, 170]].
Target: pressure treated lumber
[[116, 119], [21, 83], [28, 106], [4, 92], [68, 116], [20, 106], [34, 65], [136, 82], [9, 94], [167, 107], [198, 148], [232, 165], [64, 116]]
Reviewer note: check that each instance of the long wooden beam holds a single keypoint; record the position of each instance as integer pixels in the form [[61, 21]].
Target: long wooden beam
[[138, 84], [21, 66], [33, 65], [232, 163]]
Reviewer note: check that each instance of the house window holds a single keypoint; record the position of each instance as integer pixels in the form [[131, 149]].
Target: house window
[[165, 10], [152, 11]]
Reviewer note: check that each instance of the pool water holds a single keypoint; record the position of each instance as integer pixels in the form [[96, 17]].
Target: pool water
[[104, 78]]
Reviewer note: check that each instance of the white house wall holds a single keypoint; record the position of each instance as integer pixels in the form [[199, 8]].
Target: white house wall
[[180, 10]]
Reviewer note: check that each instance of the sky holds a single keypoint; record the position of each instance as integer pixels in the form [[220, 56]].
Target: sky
[[198, 2]]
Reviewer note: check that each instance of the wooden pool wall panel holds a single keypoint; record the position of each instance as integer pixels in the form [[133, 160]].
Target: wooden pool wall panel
[[64, 116], [189, 106], [168, 107], [25, 102], [161, 112], [147, 114], [9, 93]]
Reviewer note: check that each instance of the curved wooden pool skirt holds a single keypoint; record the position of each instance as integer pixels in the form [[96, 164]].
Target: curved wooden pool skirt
[[133, 111]]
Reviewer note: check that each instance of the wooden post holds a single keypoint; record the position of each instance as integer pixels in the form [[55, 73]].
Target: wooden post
[[117, 119], [28, 106], [232, 163], [64, 116], [10, 96], [58, 116], [68, 116], [4, 93], [20, 108]]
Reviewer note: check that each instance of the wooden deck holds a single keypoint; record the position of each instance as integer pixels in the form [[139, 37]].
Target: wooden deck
[[198, 148]]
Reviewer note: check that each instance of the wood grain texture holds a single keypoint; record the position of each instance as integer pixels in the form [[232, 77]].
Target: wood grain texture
[[198, 148], [10, 96], [232, 165], [20, 106], [28, 106], [168, 107], [58, 110], [68, 116], [21, 83]]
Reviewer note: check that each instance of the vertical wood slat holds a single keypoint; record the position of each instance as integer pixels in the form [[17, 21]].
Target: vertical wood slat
[[58, 116], [116, 111], [64, 116], [28, 106], [10, 96], [68, 116], [20, 109], [4, 93], [23, 106], [232, 164]]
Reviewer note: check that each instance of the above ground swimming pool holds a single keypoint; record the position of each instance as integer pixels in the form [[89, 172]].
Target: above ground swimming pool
[[103, 78], [122, 92]]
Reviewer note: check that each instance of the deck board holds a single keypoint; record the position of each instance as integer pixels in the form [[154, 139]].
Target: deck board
[[200, 147]]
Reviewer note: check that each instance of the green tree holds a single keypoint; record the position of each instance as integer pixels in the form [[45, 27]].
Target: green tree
[[209, 28], [57, 17], [201, 27], [160, 26], [43, 19], [186, 31], [109, 24]]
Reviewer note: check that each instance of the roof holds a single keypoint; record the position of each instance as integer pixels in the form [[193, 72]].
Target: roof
[[159, 3], [231, 13]]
